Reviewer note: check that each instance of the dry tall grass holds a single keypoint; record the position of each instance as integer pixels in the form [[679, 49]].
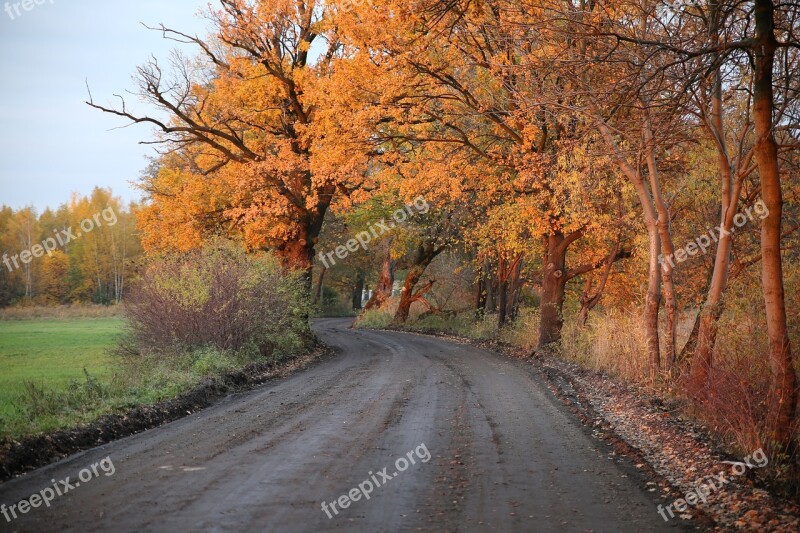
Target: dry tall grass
[[61, 312], [613, 342]]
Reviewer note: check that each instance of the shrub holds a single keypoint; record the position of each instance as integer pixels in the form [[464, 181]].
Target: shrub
[[208, 361], [217, 297]]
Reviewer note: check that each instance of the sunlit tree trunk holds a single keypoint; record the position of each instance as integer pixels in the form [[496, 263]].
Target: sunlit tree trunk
[[708, 319], [782, 399], [652, 302], [423, 257], [666, 248], [383, 290]]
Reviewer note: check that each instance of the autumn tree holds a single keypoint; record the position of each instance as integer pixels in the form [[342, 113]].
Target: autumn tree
[[444, 87], [244, 116]]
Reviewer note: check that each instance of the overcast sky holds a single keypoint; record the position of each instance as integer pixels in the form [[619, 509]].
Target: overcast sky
[[51, 143]]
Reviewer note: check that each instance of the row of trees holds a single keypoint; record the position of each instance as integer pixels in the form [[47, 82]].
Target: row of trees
[[75, 265], [554, 140]]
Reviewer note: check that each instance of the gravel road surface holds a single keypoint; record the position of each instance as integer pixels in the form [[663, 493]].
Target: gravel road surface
[[492, 450]]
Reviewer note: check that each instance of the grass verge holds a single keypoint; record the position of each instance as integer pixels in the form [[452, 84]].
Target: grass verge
[[178, 400]]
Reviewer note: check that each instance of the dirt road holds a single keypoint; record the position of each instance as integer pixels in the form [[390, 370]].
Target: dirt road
[[503, 455]]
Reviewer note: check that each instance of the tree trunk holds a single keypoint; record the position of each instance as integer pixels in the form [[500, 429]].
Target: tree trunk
[[318, 290], [297, 253], [689, 349], [782, 398], [589, 301], [711, 311], [480, 291], [358, 291], [653, 298], [553, 285], [407, 297], [423, 257], [586, 302], [516, 288], [708, 318], [491, 286], [502, 305], [554, 282], [383, 291], [652, 302], [666, 249]]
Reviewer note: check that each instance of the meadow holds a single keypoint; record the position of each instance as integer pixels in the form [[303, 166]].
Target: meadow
[[51, 352]]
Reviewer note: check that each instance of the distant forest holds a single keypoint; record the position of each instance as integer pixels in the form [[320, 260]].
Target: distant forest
[[78, 253]]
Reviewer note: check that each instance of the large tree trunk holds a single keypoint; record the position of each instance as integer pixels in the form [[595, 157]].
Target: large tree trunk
[[423, 257], [782, 399], [383, 291], [555, 276], [553, 285], [408, 296], [297, 252]]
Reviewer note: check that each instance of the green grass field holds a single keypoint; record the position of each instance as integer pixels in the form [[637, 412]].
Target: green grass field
[[51, 352]]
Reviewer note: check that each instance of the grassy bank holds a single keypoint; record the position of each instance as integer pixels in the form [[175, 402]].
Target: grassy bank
[[58, 373]]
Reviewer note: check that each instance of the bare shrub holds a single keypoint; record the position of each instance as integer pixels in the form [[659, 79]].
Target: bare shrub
[[735, 403], [220, 297]]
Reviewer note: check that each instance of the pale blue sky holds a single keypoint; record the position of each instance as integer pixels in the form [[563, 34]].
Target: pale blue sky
[[51, 143]]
